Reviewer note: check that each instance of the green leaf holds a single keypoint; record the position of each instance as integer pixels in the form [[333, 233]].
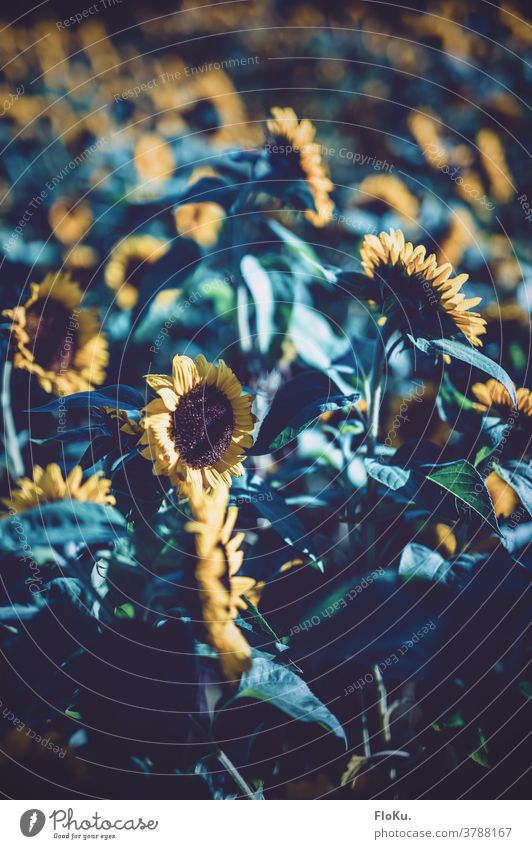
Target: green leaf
[[302, 250], [393, 477], [518, 473], [480, 754], [419, 562], [261, 290], [125, 611], [296, 405], [463, 481], [271, 682], [467, 354], [59, 522]]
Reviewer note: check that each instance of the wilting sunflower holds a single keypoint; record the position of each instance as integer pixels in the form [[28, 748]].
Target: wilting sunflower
[[302, 160], [57, 341], [129, 258], [410, 284], [49, 485], [221, 589], [195, 432]]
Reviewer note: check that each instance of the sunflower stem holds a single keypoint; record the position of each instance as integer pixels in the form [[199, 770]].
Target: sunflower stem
[[235, 775], [15, 463]]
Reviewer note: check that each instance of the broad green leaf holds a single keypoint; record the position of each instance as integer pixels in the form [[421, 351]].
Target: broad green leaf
[[518, 473], [467, 354], [463, 481], [421, 563], [296, 406], [283, 689], [59, 522], [393, 477]]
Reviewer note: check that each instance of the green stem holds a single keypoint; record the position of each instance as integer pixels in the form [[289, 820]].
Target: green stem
[[235, 775]]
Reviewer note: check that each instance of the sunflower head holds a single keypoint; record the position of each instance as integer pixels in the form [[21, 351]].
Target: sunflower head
[[153, 158], [200, 221], [69, 221], [222, 591], [422, 295], [124, 271], [49, 485], [56, 340], [297, 156], [197, 429], [494, 399]]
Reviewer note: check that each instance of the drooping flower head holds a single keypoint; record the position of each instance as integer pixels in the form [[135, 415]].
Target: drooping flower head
[[494, 399], [293, 147], [422, 295], [49, 485], [56, 340], [128, 260], [221, 589], [198, 427]]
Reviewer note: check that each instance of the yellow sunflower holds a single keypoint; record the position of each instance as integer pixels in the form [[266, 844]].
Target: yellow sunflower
[[56, 340], [410, 282], [303, 161], [69, 220], [49, 485], [221, 589], [390, 190], [153, 158], [494, 397], [195, 432], [128, 259], [200, 221]]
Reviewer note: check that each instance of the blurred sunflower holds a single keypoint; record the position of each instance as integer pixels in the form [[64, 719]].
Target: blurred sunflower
[[412, 285], [123, 272], [55, 340], [69, 220], [495, 165], [390, 191], [221, 589], [200, 221], [49, 485], [153, 158], [196, 430], [303, 161]]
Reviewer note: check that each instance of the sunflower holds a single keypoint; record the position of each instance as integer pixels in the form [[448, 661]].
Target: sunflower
[[495, 166], [493, 397], [200, 221], [411, 282], [391, 191], [153, 158], [49, 485], [304, 160], [196, 430], [123, 271], [69, 220], [55, 340], [221, 589]]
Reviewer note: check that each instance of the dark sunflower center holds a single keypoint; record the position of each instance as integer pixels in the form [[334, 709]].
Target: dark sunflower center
[[203, 426], [53, 335], [287, 158]]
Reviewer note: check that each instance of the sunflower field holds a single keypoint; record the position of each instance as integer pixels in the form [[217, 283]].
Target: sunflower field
[[265, 471]]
